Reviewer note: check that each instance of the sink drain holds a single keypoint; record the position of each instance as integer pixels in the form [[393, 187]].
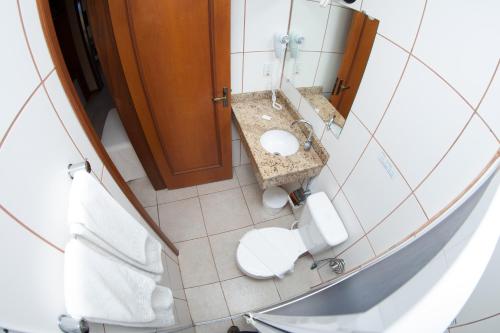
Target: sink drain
[[276, 154]]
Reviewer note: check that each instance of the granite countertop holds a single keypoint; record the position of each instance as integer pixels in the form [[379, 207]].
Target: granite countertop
[[272, 170], [314, 95]]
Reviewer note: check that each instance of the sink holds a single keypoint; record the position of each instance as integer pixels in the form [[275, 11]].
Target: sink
[[279, 142]]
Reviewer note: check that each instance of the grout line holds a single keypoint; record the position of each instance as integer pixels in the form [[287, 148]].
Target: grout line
[[26, 39], [7, 132], [33, 232], [475, 321]]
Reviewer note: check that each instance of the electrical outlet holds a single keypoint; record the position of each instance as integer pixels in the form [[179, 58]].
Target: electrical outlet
[[267, 70]]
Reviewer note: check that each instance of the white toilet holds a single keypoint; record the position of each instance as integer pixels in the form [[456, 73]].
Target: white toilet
[[268, 252]]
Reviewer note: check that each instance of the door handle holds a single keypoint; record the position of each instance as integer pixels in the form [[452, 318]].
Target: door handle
[[222, 98]]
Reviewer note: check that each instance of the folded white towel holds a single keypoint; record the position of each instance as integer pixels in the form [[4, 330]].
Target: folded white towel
[[95, 215], [102, 289]]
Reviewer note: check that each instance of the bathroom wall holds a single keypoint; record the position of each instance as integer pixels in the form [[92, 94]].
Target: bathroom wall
[[39, 136], [424, 126], [481, 313]]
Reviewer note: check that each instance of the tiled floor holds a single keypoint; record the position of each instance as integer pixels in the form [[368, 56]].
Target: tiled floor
[[206, 223]]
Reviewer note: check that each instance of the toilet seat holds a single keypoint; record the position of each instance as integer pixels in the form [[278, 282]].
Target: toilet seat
[[268, 252]]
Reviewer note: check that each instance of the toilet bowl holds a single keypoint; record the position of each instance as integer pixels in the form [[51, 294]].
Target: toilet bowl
[[268, 252]]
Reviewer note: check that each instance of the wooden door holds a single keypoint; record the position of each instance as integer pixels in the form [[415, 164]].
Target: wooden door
[[175, 58], [358, 48]]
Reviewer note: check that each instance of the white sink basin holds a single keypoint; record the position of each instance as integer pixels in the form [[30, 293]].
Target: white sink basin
[[279, 142]]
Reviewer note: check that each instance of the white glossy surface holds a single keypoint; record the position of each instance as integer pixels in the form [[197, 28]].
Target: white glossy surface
[[279, 142]]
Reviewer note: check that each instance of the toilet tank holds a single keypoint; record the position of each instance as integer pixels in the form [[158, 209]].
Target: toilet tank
[[320, 226]]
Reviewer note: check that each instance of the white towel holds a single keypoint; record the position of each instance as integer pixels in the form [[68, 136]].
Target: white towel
[[95, 215], [102, 289]]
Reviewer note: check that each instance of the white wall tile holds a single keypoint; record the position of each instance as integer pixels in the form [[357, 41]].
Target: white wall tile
[[338, 26], [309, 114], [19, 77], [236, 73], [402, 222], [382, 74], [237, 25], [350, 221], [68, 117], [291, 92], [38, 139], [236, 152], [460, 40], [253, 72], [234, 131], [244, 156], [490, 106], [36, 38], [347, 148], [31, 280], [309, 20], [471, 153], [354, 257], [302, 70], [399, 20], [484, 300], [328, 67], [422, 122], [375, 187], [485, 326], [325, 182], [264, 19]]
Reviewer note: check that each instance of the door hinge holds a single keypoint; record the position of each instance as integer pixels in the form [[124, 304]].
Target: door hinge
[[223, 98]]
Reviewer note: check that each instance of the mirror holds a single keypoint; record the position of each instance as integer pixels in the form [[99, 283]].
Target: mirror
[[326, 56]]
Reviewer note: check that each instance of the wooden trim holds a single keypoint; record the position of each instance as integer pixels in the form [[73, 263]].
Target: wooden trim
[[100, 23], [62, 72]]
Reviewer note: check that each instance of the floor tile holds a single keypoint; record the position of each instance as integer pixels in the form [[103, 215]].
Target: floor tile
[[206, 302], [219, 186], [301, 280], [245, 174], [216, 327], [196, 263], [225, 211], [245, 294], [153, 212], [253, 197], [166, 195], [182, 220], [182, 312], [224, 251], [144, 191]]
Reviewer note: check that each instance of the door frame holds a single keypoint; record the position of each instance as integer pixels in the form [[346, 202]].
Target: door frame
[[68, 87]]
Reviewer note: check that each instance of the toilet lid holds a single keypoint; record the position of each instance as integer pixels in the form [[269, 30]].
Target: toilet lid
[[269, 252]]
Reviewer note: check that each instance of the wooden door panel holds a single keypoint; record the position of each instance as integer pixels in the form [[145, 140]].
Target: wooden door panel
[[175, 57], [359, 44], [181, 106]]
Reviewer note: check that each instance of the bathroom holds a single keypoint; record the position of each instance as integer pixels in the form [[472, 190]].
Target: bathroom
[[261, 223]]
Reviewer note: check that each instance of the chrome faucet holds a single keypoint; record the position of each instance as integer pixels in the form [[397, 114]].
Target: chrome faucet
[[308, 143]]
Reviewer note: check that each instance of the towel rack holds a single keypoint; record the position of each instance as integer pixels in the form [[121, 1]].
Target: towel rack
[[73, 168], [69, 324]]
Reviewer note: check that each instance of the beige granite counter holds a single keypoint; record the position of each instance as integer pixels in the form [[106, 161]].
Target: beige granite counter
[[272, 170], [314, 95]]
